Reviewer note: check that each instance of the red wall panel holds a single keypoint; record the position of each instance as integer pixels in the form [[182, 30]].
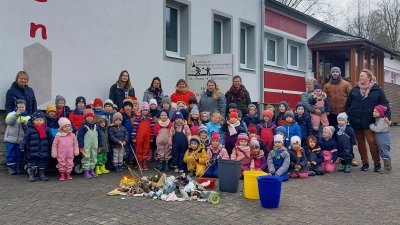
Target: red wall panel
[[284, 82], [284, 23], [272, 97]]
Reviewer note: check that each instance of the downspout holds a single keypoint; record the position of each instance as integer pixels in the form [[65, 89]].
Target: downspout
[[262, 21]]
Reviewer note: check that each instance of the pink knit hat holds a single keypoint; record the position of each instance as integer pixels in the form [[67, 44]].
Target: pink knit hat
[[88, 111], [63, 121], [330, 129], [145, 106], [215, 136], [242, 137], [381, 109]]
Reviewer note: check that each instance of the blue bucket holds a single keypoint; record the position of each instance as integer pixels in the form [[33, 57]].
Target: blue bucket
[[269, 190]]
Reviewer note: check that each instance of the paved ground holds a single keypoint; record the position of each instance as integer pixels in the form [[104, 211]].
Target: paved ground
[[338, 198]]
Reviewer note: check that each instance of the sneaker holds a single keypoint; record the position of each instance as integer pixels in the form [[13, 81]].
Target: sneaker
[[176, 170], [347, 169], [365, 167], [342, 168], [377, 168]]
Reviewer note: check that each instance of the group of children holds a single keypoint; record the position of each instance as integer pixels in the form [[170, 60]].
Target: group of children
[[180, 137]]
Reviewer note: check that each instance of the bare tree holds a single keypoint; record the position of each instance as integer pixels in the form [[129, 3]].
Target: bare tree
[[390, 10]]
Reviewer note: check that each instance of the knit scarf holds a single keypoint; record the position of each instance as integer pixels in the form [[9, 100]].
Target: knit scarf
[[156, 94], [245, 150], [232, 129], [316, 149], [164, 124], [341, 129], [214, 149], [237, 94], [90, 125], [183, 90], [278, 153], [40, 129], [299, 155], [335, 80], [209, 93], [59, 112], [364, 89]]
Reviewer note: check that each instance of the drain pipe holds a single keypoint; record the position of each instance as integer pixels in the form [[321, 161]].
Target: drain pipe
[[262, 21]]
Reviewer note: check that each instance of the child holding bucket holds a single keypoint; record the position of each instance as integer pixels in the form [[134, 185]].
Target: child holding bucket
[[214, 153], [279, 159]]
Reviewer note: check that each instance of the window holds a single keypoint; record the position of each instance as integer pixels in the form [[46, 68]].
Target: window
[[247, 45], [271, 53], [293, 56], [218, 37], [243, 47], [172, 30]]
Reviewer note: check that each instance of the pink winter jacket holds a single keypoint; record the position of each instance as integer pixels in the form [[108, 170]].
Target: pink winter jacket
[[238, 154], [64, 142], [223, 154]]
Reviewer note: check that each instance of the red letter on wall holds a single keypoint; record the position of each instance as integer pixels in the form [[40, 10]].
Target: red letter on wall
[[41, 0], [35, 27]]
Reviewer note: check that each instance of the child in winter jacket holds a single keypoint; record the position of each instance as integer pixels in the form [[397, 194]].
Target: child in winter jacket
[[280, 118], [16, 125], [214, 153], [128, 118], [242, 124], [314, 157], [298, 159], [205, 118], [135, 106], [76, 117], [346, 142], [241, 150], [231, 106], [90, 142], [192, 103], [154, 114], [178, 141], [204, 136], [279, 159], [118, 137], [194, 121], [62, 109], [181, 105], [195, 158], [143, 135], [98, 107], [51, 119], [102, 122], [232, 129], [215, 126], [64, 148], [167, 105], [382, 137], [256, 160], [253, 135], [318, 99], [108, 110], [304, 121], [267, 130], [329, 149], [161, 132], [251, 117], [291, 127], [37, 143]]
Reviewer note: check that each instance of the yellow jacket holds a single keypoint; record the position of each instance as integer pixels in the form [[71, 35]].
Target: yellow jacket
[[200, 153]]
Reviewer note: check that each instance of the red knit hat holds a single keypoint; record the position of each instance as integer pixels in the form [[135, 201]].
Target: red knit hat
[[381, 109], [88, 111], [252, 129], [233, 114], [97, 101], [135, 101], [215, 136], [267, 113], [242, 137]]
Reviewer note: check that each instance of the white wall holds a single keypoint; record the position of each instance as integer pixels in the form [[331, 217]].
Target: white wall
[[392, 66], [92, 41]]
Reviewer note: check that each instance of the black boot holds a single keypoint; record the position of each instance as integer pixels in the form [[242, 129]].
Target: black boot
[[161, 167], [42, 176], [32, 173], [20, 170], [166, 166]]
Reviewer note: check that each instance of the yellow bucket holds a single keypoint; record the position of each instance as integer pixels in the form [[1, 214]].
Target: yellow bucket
[[250, 184]]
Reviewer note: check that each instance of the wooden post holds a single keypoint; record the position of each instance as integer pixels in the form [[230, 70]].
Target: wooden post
[[377, 63], [360, 60], [382, 73], [317, 67], [369, 61], [352, 66]]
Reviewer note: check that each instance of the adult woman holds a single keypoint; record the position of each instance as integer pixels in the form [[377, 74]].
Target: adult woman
[[310, 82], [20, 90], [154, 91], [182, 92], [360, 104], [121, 89], [239, 95], [212, 100]]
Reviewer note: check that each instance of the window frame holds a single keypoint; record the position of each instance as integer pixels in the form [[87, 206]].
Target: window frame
[[266, 61], [243, 65], [289, 54], [221, 33], [171, 53]]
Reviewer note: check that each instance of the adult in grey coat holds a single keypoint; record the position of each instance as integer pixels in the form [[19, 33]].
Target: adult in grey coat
[[310, 82], [212, 100], [154, 91]]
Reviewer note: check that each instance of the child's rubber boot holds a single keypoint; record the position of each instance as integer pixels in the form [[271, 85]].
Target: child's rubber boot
[[347, 169], [387, 167], [68, 176], [145, 165], [120, 168], [86, 174], [42, 176], [32, 173], [166, 166], [97, 170], [62, 175], [116, 168], [11, 170], [20, 170], [161, 166], [342, 168], [103, 169], [92, 173], [140, 165]]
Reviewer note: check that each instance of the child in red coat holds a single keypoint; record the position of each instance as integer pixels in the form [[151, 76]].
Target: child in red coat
[[76, 117], [142, 135]]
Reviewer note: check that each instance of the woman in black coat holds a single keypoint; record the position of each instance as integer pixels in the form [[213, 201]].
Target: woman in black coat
[[360, 105], [20, 90], [239, 95], [121, 89]]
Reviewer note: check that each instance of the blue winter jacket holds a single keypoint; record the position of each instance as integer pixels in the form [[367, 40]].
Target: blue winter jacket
[[292, 130], [35, 146], [16, 92], [329, 145], [305, 124], [82, 132], [248, 119], [215, 127]]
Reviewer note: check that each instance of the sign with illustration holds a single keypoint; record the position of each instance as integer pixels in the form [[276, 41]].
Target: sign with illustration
[[201, 68]]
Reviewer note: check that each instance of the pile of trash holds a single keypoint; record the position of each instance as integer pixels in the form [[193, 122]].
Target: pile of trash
[[166, 188]]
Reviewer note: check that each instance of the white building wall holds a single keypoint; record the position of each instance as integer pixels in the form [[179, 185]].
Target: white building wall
[[392, 66]]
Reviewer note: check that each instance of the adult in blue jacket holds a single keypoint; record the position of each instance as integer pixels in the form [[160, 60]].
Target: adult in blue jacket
[[20, 90]]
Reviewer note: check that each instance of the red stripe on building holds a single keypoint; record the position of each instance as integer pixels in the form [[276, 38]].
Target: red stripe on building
[[284, 23], [275, 98], [284, 82]]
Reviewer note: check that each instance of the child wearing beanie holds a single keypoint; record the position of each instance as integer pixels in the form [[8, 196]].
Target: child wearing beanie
[[179, 138], [242, 124], [143, 135], [232, 129], [118, 137], [304, 121], [382, 137], [251, 117], [346, 142], [329, 149], [100, 168], [194, 121], [256, 159], [135, 106], [62, 109], [291, 128], [108, 110], [279, 159], [314, 156], [280, 118], [204, 136], [16, 123], [51, 119], [298, 160], [154, 114], [128, 117], [215, 126], [98, 107], [64, 148], [195, 157], [319, 100], [161, 132], [241, 149], [192, 103], [76, 117], [39, 139], [214, 153], [267, 129], [90, 142]]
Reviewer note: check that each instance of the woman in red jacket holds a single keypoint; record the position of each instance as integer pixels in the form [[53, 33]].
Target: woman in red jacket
[[182, 92]]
